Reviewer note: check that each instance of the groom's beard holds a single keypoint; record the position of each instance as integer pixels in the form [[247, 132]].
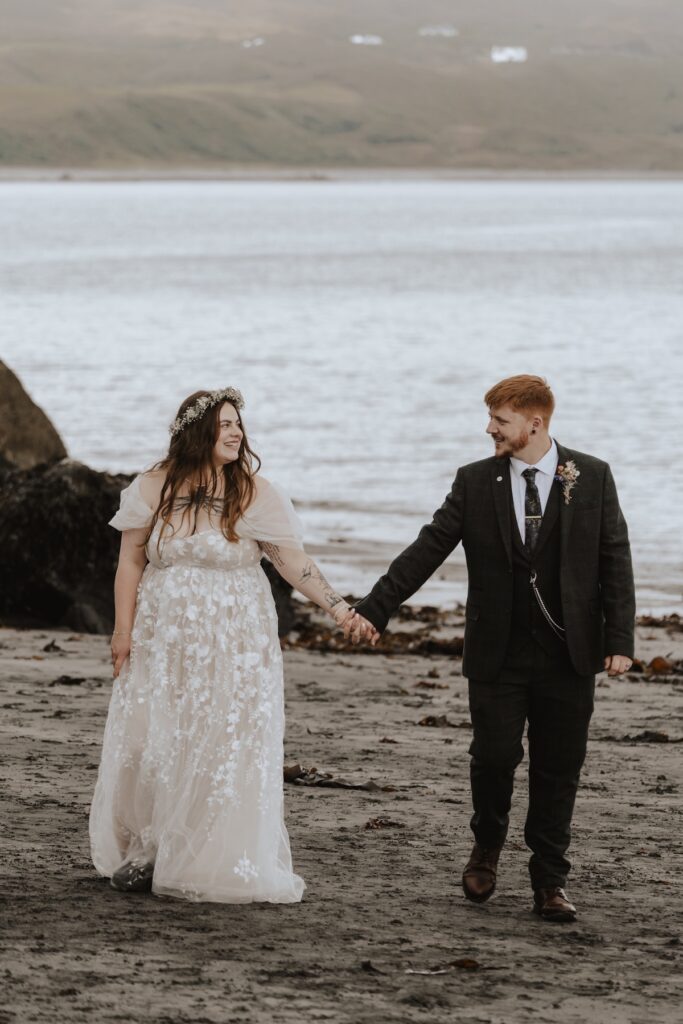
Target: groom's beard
[[511, 446]]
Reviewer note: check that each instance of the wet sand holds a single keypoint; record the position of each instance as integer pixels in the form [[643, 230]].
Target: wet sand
[[381, 901]]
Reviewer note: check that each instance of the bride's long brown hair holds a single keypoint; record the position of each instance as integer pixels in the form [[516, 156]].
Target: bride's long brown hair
[[189, 461]]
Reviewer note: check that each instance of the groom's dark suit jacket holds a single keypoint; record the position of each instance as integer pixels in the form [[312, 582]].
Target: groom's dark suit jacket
[[596, 577]]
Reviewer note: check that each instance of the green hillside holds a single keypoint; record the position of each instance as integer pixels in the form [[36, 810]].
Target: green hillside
[[209, 84]]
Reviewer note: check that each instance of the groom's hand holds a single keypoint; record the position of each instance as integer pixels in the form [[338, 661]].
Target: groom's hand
[[615, 664], [357, 628]]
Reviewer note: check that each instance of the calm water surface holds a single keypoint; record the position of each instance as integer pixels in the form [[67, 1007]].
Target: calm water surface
[[363, 321]]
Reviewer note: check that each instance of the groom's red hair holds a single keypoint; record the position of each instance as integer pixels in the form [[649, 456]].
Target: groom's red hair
[[524, 393]]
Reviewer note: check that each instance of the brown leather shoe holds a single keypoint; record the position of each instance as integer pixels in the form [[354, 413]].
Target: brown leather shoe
[[553, 905], [479, 876]]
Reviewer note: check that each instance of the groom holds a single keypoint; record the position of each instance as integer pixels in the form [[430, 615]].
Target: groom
[[550, 603]]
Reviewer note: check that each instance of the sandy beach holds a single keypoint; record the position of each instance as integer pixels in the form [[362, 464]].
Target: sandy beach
[[383, 932]]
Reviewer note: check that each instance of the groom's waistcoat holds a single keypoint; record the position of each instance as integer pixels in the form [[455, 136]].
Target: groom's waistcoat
[[528, 622]]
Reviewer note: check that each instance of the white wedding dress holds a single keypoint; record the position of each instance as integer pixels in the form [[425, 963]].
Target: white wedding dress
[[190, 776]]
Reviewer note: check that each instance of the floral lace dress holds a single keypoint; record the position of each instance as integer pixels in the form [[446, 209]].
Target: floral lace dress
[[190, 776]]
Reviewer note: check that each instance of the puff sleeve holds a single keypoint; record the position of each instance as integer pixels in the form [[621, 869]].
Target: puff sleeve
[[271, 518], [134, 512]]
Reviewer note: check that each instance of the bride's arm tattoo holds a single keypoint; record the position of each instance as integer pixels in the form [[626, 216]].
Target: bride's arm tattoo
[[272, 552], [301, 571], [312, 572]]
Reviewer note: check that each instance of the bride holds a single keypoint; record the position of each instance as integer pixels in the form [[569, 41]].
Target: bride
[[189, 795]]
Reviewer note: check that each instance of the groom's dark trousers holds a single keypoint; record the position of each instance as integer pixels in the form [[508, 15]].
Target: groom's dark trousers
[[557, 703], [519, 670]]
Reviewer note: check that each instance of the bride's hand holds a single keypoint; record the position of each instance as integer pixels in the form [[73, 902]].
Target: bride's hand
[[342, 613], [120, 650], [357, 628]]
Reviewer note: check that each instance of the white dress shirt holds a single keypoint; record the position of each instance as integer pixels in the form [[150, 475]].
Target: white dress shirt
[[547, 467]]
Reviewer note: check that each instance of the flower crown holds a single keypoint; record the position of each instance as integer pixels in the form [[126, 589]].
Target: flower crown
[[199, 407]]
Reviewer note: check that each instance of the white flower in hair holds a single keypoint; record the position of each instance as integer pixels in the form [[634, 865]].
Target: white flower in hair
[[199, 407]]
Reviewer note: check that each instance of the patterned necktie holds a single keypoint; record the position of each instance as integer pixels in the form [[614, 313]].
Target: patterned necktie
[[533, 514]]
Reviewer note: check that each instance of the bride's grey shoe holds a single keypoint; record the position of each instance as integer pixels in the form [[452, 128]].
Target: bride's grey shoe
[[133, 876]]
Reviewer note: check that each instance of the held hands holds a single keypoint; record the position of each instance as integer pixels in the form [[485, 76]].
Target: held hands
[[356, 628], [615, 664]]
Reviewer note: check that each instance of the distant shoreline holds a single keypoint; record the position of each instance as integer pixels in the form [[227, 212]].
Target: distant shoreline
[[319, 174]]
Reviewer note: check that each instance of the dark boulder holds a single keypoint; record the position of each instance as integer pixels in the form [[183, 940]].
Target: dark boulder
[[58, 555], [27, 437]]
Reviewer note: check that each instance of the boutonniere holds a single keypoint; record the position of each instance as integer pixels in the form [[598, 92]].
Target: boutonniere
[[567, 475]]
